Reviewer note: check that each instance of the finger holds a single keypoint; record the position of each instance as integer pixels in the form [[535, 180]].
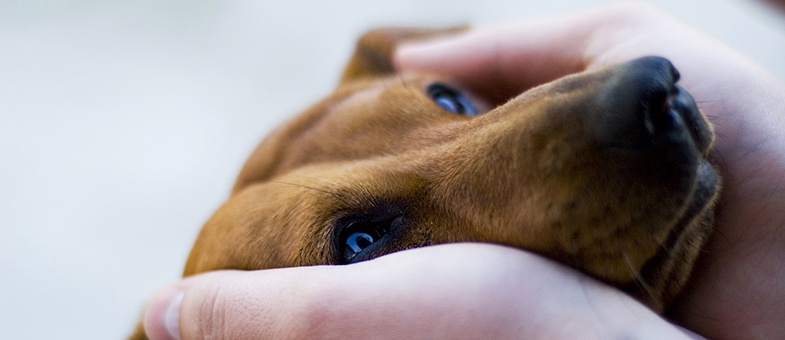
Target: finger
[[460, 291], [162, 315], [229, 305], [501, 61]]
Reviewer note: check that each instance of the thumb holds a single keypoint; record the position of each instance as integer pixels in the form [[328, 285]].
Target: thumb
[[162, 314], [467, 291], [447, 291], [228, 305]]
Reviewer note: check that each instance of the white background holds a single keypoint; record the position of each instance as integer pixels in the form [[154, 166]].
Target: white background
[[123, 124]]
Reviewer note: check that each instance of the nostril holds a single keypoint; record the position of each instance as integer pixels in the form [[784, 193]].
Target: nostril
[[675, 73], [649, 123], [658, 115]]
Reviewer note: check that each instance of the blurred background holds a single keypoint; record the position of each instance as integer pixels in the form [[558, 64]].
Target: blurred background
[[123, 124]]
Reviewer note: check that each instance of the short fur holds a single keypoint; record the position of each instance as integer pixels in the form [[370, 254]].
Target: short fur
[[604, 171]]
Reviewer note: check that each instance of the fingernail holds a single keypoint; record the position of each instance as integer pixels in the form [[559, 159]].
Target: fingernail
[[421, 54], [407, 55], [172, 315], [162, 316], [408, 48]]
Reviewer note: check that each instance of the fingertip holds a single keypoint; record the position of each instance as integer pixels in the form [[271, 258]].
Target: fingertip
[[422, 55], [469, 58], [162, 315]]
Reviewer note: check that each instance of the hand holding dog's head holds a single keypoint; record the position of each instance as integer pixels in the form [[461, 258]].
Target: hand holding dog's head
[[603, 170]]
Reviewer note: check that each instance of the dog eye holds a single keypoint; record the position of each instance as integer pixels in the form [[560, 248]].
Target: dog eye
[[451, 99], [358, 236]]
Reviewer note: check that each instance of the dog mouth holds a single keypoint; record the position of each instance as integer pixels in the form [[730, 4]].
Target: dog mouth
[[672, 263], [702, 199], [680, 105], [676, 139], [683, 114], [693, 224]]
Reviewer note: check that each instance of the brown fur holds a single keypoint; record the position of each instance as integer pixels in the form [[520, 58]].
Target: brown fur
[[567, 169]]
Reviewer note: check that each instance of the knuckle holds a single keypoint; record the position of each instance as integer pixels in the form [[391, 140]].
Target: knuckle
[[211, 314]]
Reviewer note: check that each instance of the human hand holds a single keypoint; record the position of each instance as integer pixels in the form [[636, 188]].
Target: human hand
[[738, 289], [455, 291], [471, 290]]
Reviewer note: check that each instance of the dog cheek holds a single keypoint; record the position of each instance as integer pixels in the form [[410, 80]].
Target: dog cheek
[[250, 231]]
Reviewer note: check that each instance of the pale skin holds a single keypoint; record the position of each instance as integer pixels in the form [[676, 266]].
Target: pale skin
[[474, 290]]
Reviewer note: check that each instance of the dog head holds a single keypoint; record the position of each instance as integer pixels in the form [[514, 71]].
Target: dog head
[[603, 170]]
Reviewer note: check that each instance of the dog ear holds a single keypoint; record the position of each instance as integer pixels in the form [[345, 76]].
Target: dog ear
[[374, 51]]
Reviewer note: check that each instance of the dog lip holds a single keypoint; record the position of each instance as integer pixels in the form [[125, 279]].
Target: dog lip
[[681, 104], [675, 122], [703, 194], [702, 198]]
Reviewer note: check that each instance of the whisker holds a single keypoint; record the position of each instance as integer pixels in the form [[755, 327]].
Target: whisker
[[713, 118], [402, 80], [322, 179], [408, 86], [582, 279], [719, 158], [639, 280], [307, 187]]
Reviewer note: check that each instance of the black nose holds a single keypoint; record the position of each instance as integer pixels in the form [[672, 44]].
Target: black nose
[[637, 103]]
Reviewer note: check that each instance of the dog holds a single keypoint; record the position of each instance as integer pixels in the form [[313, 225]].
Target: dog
[[605, 171]]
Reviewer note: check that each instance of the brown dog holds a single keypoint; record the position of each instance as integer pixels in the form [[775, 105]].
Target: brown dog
[[603, 170]]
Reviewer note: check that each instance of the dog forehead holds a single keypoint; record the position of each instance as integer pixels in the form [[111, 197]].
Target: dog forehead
[[405, 90], [390, 117], [360, 120], [357, 181], [397, 111]]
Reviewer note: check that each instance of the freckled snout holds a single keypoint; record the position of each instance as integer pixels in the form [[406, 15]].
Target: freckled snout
[[599, 170]]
